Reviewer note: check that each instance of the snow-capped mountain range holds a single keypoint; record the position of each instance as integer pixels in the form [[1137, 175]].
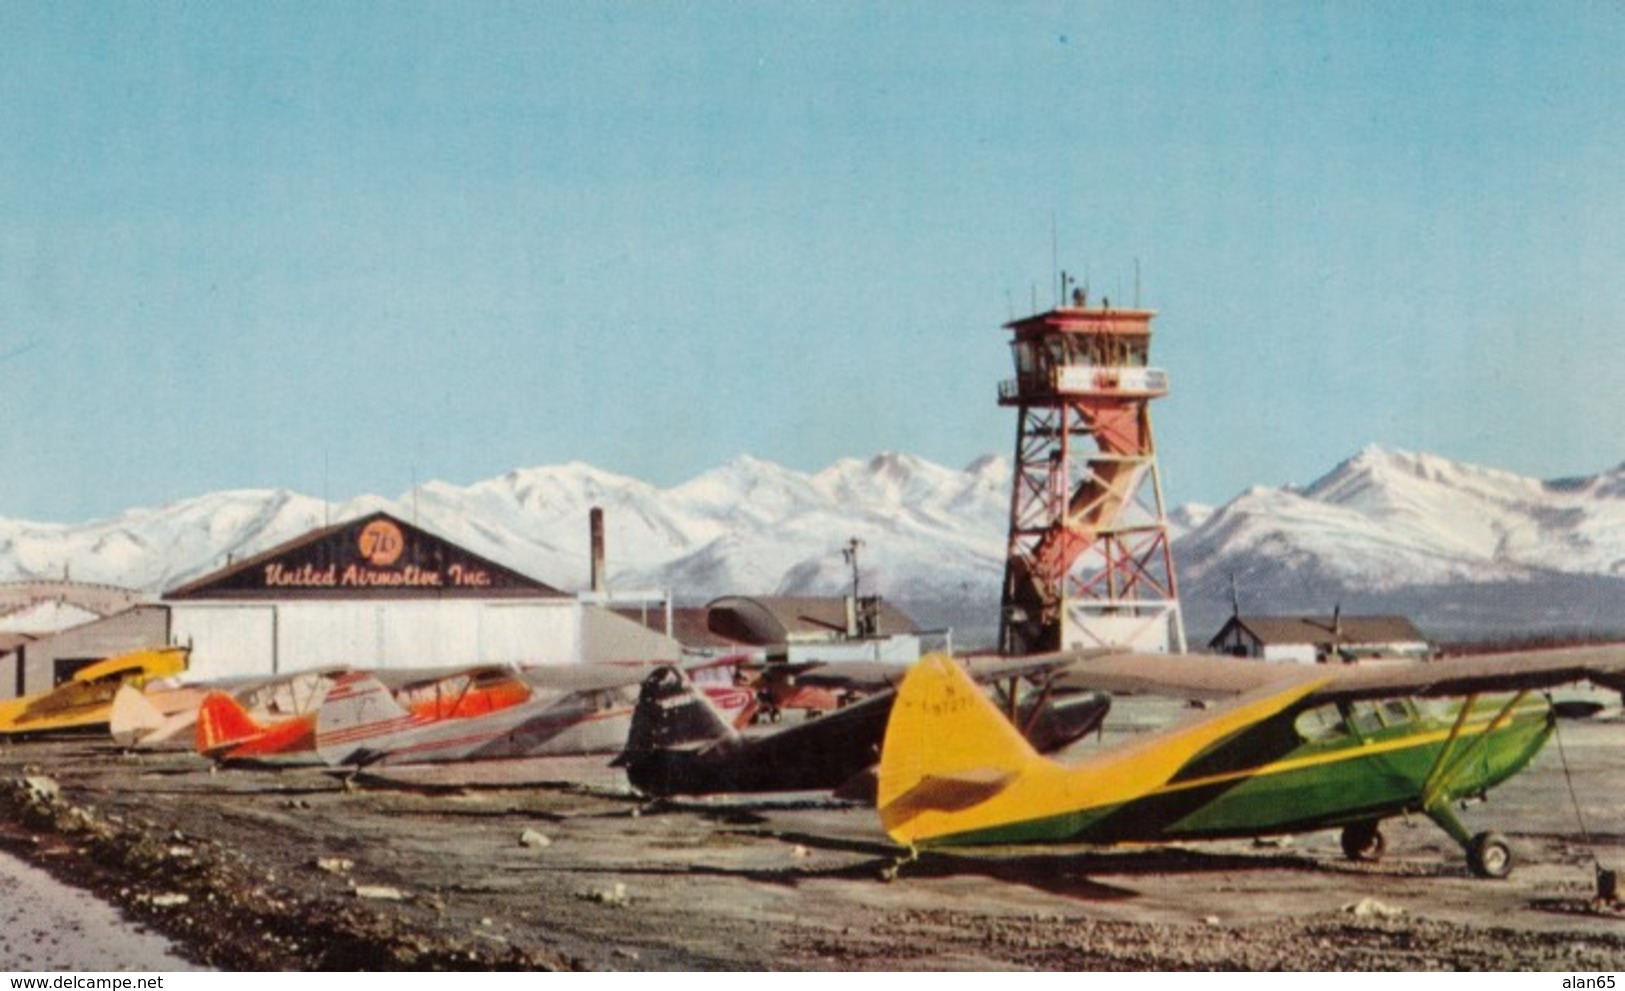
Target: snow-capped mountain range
[[1463, 550], [1468, 552]]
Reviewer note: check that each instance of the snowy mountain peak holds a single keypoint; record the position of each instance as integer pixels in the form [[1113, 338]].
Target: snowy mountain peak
[[571, 481], [1390, 473]]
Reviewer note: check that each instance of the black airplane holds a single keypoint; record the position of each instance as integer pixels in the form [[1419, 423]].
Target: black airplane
[[679, 744]]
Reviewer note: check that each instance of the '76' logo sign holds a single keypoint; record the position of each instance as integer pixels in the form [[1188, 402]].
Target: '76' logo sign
[[381, 543]]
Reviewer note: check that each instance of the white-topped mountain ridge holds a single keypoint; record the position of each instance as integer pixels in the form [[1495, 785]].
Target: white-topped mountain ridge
[[1462, 549]]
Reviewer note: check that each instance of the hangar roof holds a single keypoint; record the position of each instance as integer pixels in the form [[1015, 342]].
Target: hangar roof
[[373, 556], [779, 619]]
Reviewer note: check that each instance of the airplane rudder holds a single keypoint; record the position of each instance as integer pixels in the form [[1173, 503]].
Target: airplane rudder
[[358, 710], [942, 724], [132, 715], [357, 698], [671, 712], [221, 720]]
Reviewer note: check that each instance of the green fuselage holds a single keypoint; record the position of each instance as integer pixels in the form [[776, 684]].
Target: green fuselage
[[1313, 768]]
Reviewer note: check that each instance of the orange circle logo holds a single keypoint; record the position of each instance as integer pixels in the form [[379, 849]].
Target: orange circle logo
[[381, 543]]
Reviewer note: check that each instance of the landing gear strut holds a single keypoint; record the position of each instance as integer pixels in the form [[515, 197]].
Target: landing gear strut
[[888, 874], [1488, 854]]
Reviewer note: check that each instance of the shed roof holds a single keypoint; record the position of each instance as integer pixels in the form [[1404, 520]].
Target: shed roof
[[689, 626], [778, 619], [99, 598], [1324, 629]]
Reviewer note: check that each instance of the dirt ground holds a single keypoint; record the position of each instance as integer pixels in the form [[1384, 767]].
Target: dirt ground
[[269, 869]]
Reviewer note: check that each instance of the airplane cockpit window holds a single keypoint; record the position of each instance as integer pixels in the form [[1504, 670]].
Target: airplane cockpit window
[[1340, 719], [1323, 722], [1395, 711], [1364, 717], [1441, 709]]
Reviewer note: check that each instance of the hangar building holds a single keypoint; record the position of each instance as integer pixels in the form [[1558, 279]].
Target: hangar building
[[373, 592]]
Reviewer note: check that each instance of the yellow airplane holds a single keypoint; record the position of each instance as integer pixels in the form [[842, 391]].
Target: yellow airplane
[[86, 699], [1291, 748]]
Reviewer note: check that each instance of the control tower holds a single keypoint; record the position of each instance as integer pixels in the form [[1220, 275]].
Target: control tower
[[1089, 561]]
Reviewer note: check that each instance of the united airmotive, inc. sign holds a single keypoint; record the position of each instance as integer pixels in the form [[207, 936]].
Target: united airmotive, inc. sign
[[374, 555]]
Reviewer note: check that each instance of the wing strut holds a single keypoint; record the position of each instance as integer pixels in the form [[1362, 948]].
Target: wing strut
[[1445, 773], [1439, 762]]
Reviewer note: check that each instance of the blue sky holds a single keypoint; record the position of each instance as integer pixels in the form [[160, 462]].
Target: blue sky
[[342, 247]]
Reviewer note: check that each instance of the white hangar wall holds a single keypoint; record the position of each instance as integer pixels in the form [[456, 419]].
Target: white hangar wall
[[231, 639]]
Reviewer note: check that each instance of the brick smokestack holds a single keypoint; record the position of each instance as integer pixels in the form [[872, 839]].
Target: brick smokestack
[[596, 518]]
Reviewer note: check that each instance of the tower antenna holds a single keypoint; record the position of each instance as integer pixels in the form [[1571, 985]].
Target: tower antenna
[[1055, 258]]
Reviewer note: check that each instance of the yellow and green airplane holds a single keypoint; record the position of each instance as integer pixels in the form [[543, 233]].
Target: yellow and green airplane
[[86, 699], [1289, 749]]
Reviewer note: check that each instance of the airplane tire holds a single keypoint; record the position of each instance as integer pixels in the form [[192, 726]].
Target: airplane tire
[[1489, 855], [1363, 841]]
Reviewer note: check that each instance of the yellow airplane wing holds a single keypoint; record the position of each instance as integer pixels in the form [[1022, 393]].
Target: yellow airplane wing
[[86, 699], [155, 662]]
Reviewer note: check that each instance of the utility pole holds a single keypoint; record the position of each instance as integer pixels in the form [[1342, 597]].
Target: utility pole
[[851, 555]]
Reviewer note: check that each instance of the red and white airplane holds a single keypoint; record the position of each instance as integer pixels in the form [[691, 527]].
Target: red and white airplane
[[570, 710]]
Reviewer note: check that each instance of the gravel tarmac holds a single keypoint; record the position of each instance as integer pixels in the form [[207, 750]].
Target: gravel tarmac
[[299, 869]]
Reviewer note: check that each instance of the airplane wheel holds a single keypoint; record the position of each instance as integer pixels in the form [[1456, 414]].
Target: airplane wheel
[[1363, 841], [1489, 855]]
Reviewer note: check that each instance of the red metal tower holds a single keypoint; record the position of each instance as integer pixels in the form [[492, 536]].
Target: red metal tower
[[1089, 559]]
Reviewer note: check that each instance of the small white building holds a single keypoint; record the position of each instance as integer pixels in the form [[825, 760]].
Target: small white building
[[1322, 639]]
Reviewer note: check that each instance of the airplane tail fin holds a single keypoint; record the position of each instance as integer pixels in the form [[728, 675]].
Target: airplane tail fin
[[671, 724], [672, 713], [222, 723], [132, 716], [358, 710], [946, 747]]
